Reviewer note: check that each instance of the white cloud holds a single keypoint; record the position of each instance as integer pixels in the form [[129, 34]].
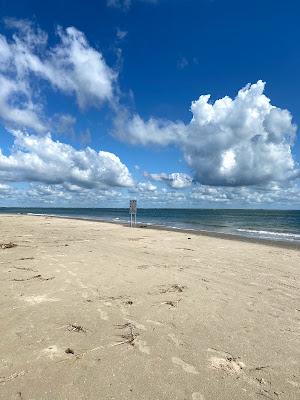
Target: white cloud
[[121, 34], [41, 159], [4, 189], [259, 196], [72, 67], [152, 132], [182, 63], [176, 180], [145, 187], [126, 4], [67, 194], [64, 124], [231, 142], [16, 106]]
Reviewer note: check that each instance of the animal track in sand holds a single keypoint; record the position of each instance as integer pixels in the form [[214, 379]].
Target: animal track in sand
[[190, 369]]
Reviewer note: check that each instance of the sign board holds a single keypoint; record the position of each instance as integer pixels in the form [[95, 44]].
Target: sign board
[[132, 207], [132, 211]]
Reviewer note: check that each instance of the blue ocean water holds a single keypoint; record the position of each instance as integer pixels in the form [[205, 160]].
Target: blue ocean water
[[283, 225]]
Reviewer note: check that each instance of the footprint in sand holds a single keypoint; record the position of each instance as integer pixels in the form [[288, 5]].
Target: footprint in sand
[[53, 352], [39, 299], [154, 322], [137, 324], [197, 396], [142, 346], [190, 369], [175, 340], [72, 273], [103, 314], [227, 363]]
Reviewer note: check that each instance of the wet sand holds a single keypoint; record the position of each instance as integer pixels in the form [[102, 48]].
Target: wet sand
[[92, 310]]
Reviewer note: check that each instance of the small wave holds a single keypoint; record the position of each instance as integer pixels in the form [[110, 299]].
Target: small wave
[[37, 215], [291, 236]]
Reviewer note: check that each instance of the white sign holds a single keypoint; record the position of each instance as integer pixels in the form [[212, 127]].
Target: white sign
[[132, 211], [132, 207]]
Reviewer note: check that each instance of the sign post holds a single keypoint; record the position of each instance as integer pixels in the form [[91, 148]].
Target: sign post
[[132, 211]]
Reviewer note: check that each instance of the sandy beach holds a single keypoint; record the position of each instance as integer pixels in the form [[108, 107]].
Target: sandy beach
[[92, 310]]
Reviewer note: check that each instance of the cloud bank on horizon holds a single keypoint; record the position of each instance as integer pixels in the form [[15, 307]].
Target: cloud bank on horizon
[[236, 149]]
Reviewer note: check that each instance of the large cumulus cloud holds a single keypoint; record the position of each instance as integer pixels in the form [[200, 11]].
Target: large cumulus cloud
[[41, 159], [231, 142]]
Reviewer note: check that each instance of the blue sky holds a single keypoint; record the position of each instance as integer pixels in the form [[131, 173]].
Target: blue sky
[[101, 102]]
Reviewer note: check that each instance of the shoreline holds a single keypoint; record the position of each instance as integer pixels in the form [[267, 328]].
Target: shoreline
[[141, 225]]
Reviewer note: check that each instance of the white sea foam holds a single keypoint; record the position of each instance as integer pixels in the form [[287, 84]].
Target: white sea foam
[[275, 235]]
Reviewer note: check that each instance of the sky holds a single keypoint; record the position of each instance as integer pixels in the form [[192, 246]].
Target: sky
[[175, 103]]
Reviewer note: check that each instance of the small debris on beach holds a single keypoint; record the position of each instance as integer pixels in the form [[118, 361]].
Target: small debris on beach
[[25, 269], [39, 276], [129, 302], [8, 245], [69, 351], [76, 328], [4, 379], [130, 334], [173, 288], [172, 303]]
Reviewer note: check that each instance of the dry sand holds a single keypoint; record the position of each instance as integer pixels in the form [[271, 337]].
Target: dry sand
[[148, 314]]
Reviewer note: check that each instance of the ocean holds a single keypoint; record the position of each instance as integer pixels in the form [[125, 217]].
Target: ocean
[[278, 225]]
